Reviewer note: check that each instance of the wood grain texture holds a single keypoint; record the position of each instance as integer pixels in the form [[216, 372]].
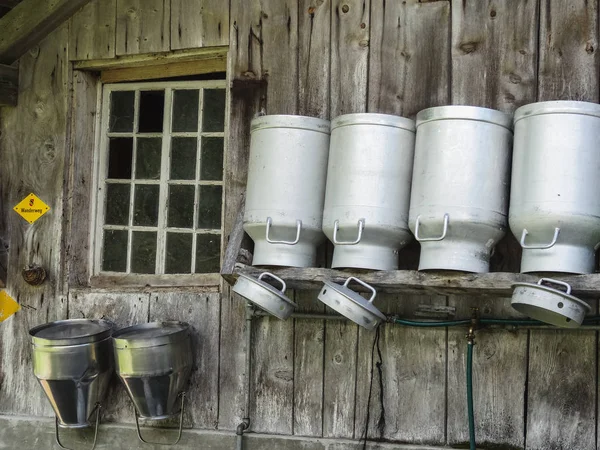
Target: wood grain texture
[[415, 36], [568, 67], [245, 40], [9, 85], [202, 312], [413, 376], [93, 31], [33, 138], [200, 23], [169, 70], [143, 26], [124, 310], [494, 53], [499, 374]]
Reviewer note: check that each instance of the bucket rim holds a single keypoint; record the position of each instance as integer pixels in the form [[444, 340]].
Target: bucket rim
[[290, 121], [465, 112], [557, 107], [126, 338], [105, 332], [388, 120]]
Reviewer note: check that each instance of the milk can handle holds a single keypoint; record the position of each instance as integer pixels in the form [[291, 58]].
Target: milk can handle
[[361, 227], [97, 409], [444, 230], [561, 283], [269, 274], [368, 286], [178, 438], [294, 242], [539, 247]]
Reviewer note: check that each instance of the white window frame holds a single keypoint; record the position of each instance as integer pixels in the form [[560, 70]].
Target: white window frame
[[102, 278]]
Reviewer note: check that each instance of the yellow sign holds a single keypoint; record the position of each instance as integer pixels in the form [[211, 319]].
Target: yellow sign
[[31, 208], [7, 306]]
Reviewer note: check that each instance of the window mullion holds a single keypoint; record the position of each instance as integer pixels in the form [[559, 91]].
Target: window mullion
[[196, 188], [136, 114], [164, 187]]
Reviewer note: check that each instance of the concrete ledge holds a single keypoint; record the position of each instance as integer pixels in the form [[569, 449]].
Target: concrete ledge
[[24, 433]]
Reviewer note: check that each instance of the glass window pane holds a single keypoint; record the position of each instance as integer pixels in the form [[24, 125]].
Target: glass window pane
[[213, 113], [121, 111], [179, 253], [181, 206], [143, 252], [183, 158], [120, 158], [145, 208], [185, 110], [209, 207], [211, 158], [152, 108], [208, 253], [147, 160], [114, 257], [117, 204]]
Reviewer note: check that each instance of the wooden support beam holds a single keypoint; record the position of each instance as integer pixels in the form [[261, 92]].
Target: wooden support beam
[[9, 85], [31, 21]]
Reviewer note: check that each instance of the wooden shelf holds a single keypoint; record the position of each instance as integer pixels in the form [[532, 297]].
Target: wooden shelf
[[413, 282]]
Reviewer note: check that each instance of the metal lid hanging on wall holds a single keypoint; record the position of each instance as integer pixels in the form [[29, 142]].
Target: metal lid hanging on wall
[[265, 296], [549, 305], [351, 304]]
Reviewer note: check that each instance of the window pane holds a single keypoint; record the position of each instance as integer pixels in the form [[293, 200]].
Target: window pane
[[152, 108], [147, 160], [211, 162], [181, 206], [117, 204], [179, 253], [120, 158], [208, 253], [114, 258], [209, 207], [213, 113], [185, 110], [121, 111], [143, 252], [145, 209], [183, 158]]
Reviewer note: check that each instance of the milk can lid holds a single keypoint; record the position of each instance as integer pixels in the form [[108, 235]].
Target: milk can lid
[[71, 332], [463, 112], [557, 107], [150, 334], [388, 120], [290, 121]]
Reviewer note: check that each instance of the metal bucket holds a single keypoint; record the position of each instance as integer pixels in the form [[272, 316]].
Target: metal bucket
[[368, 189], [554, 202], [459, 198], [72, 360], [286, 189]]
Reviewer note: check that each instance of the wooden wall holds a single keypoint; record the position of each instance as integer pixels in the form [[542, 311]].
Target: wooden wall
[[534, 390]]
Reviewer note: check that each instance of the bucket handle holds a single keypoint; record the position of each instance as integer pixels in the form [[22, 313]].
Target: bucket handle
[[294, 242], [368, 286], [336, 226], [97, 409], [268, 274], [444, 230], [539, 247], [139, 433], [567, 286]]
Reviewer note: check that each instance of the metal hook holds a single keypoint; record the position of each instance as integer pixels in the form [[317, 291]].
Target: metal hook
[[97, 409], [139, 433], [444, 230]]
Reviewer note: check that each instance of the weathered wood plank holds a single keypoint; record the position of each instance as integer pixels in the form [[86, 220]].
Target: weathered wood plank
[[494, 53], [413, 35], [9, 85], [202, 312], [169, 70], [143, 26], [32, 147], [124, 310], [93, 34], [30, 22], [202, 23], [413, 375]]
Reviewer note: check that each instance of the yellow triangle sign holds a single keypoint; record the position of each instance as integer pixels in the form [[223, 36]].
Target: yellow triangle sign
[[31, 208], [7, 306]]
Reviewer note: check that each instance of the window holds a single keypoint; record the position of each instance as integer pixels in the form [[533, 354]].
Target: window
[[160, 178]]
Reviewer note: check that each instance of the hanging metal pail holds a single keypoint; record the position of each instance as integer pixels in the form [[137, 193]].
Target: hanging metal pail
[[72, 360]]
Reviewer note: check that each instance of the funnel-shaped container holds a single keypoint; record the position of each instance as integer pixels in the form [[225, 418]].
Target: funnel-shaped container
[[154, 361], [73, 361]]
